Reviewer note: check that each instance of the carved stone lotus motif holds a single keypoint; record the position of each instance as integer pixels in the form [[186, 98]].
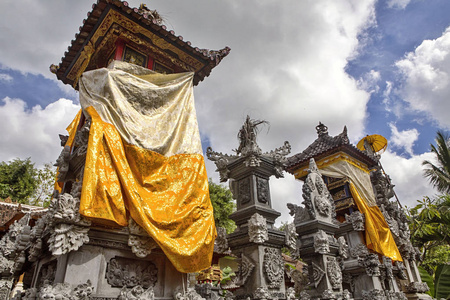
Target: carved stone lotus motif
[[273, 267]]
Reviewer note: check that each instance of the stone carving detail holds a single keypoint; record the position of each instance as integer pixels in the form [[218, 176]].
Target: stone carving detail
[[367, 260], [401, 270], [244, 190], [221, 242], [417, 287], [291, 237], [191, 294], [357, 219], [58, 291], [70, 228], [328, 294], [262, 293], [373, 295], [299, 213], [67, 237], [321, 243], [141, 246], [36, 239], [343, 247], [48, 273], [83, 291], [263, 190], [5, 288], [136, 293], [245, 269], [334, 273], [257, 229], [317, 198], [317, 274], [62, 162], [250, 151], [346, 295], [273, 267], [387, 264], [221, 161], [129, 273], [304, 295], [290, 294]]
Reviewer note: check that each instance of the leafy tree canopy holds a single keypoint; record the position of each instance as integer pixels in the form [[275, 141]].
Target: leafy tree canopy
[[24, 183], [223, 204], [439, 173]]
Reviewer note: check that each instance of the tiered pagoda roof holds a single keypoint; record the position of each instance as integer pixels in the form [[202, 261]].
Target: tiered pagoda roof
[[11, 211], [110, 20], [326, 145]]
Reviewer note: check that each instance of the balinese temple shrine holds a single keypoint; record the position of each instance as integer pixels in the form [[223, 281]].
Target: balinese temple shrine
[[367, 233], [131, 214]]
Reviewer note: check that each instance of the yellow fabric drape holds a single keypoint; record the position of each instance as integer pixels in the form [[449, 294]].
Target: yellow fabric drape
[[378, 235], [144, 160], [167, 196]]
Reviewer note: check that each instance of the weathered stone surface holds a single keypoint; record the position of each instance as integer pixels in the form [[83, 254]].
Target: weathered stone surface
[[257, 229], [123, 272], [273, 267]]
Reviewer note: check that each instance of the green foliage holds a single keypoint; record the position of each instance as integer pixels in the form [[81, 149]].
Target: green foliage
[[24, 183], [442, 282], [17, 180], [439, 173], [428, 279], [223, 204]]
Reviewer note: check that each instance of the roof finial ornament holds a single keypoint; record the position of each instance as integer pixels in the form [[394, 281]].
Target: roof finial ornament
[[321, 129]]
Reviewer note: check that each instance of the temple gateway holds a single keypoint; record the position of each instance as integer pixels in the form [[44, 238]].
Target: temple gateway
[[131, 216]]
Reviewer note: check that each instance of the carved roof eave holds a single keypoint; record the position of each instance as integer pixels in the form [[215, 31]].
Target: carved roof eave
[[209, 59], [296, 164]]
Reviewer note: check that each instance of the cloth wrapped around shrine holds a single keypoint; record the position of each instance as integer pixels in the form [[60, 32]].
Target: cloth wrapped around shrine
[[145, 160], [378, 236]]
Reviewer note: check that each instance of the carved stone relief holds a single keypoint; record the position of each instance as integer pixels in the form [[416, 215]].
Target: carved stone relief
[[291, 237], [47, 274], [122, 272], [321, 243], [136, 293], [317, 274], [141, 246], [257, 229], [290, 294], [357, 219], [373, 295], [273, 267], [244, 190], [343, 247], [334, 273], [262, 293], [263, 190], [221, 242], [299, 213]]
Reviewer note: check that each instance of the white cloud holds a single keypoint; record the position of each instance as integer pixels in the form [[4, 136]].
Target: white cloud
[[5, 77], [404, 139], [369, 82], [407, 176], [426, 75], [33, 133], [399, 4]]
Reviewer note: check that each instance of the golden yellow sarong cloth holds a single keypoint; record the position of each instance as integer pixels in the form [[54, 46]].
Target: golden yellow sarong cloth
[[144, 160], [378, 235]]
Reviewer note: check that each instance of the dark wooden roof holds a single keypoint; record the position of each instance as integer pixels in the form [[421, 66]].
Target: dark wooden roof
[[326, 145], [91, 36]]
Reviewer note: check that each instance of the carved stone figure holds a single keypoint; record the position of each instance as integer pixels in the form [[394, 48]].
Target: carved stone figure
[[328, 294], [357, 219], [257, 229], [58, 291], [299, 213], [334, 273], [247, 142], [67, 237], [291, 237], [304, 296], [136, 293], [263, 189], [343, 247], [221, 161], [262, 293], [290, 294], [123, 272], [321, 243], [417, 287], [401, 270], [221, 243], [317, 198], [373, 295], [273, 267], [191, 294]]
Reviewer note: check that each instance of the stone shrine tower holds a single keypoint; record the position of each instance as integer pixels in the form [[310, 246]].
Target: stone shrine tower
[[256, 242]]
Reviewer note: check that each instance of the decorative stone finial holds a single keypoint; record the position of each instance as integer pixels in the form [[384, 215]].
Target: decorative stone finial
[[321, 129]]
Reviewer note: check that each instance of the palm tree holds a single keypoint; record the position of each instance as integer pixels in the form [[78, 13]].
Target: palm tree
[[439, 174]]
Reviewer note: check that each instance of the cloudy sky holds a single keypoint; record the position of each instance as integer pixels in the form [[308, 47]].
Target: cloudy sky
[[379, 67]]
